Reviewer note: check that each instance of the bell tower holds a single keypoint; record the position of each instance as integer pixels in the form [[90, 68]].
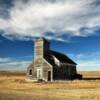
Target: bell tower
[[41, 49]]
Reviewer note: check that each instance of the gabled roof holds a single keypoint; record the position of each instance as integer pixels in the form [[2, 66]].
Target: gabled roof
[[62, 57]]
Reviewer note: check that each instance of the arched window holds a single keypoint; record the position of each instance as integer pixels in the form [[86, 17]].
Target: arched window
[[30, 72]]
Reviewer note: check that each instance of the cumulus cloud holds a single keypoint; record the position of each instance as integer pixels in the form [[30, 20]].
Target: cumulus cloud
[[30, 18]]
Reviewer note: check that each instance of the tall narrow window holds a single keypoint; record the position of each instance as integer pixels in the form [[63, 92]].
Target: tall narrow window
[[30, 72]]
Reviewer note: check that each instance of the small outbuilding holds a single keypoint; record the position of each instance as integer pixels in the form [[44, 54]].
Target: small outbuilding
[[50, 65]]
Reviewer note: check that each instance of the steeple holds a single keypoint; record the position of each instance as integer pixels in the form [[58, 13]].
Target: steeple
[[41, 47]]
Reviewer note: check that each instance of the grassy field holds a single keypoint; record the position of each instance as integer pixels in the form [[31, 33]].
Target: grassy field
[[14, 87]]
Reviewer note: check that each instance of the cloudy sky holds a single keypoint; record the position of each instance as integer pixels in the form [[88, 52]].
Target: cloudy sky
[[72, 27]]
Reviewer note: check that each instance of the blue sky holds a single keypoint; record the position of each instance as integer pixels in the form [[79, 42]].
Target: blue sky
[[72, 27]]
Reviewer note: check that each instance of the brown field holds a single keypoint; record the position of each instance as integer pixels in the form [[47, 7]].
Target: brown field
[[14, 87]]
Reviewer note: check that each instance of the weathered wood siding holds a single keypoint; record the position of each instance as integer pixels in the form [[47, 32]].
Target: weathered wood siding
[[31, 67], [39, 49], [46, 67], [45, 63]]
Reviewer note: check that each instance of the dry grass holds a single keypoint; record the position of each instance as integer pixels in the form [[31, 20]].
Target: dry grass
[[92, 74], [14, 87]]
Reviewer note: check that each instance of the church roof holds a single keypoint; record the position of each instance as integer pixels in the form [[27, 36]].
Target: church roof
[[62, 57]]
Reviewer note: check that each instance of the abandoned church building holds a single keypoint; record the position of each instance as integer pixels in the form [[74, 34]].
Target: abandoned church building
[[50, 65]]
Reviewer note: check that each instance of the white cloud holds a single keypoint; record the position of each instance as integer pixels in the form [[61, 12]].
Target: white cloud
[[34, 17], [87, 61], [79, 56], [5, 60], [89, 65], [85, 56], [12, 64]]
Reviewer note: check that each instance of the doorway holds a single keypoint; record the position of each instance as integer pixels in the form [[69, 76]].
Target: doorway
[[49, 75], [38, 74]]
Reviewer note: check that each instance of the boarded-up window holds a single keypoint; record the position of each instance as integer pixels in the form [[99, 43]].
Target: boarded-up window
[[30, 72]]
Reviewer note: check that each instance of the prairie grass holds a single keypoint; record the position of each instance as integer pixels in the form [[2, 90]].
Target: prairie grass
[[13, 86]]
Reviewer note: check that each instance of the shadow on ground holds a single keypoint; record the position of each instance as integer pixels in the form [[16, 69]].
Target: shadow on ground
[[91, 78]]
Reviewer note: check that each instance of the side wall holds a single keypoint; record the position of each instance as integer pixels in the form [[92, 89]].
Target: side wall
[[30, 69], [46, 68], [64, 71], [70, 71]]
